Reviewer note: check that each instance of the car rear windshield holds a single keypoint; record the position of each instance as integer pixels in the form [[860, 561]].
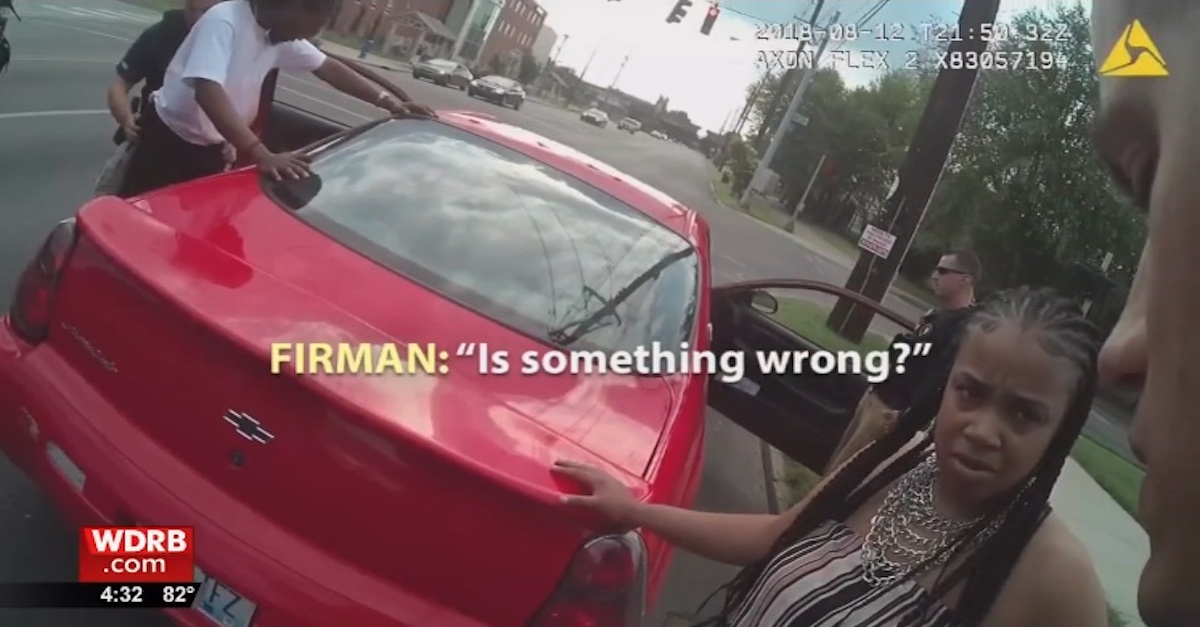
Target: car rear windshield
[[508, 236]]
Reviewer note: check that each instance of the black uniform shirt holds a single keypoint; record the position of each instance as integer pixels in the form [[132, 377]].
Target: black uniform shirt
[[147, 59], [940, 328]]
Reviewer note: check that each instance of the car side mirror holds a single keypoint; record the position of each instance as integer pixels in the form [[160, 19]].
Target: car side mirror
[[764, 302]]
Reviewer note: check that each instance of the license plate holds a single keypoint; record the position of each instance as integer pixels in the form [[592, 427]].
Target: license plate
[[221, 604]]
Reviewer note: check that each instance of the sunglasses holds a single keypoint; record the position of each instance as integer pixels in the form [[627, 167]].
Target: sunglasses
[[942, 271]]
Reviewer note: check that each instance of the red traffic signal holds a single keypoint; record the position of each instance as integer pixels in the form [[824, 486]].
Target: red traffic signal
[[710, 19]]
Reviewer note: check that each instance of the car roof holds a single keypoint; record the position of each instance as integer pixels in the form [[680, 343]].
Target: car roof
[[651, 201]]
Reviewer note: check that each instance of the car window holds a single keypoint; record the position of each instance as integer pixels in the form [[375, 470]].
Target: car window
[[447, 65], [503, 234]]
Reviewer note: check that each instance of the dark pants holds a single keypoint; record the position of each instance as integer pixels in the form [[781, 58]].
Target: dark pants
[[161, 158]]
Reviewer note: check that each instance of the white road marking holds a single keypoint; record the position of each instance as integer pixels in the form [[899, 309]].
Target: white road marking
[[732, 260], [60, 60], [88, 13], [51, 114], [91, 32]]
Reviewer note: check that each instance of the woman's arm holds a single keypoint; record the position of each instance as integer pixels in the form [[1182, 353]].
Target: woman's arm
[[738, 539]]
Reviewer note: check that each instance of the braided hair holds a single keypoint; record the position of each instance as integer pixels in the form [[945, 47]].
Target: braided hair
[[1062, 331]]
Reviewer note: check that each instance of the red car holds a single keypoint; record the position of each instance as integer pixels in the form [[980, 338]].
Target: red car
[[136, 381]]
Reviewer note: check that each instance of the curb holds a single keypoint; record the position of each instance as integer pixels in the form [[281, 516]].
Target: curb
[[769, 483]]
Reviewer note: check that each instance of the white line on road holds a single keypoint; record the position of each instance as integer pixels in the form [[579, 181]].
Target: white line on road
[[90, 31], [50, 114], [732, 260], [61, 60]]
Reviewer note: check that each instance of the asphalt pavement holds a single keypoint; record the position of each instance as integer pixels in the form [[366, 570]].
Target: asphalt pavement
[[55, 135]]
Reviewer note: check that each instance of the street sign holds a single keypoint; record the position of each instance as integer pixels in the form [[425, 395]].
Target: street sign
[[877, 241]]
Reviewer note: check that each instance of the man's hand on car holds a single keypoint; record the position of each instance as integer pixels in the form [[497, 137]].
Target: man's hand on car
[[395, 106]]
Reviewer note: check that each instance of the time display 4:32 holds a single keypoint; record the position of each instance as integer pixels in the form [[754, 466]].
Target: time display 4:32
[[157, 595]]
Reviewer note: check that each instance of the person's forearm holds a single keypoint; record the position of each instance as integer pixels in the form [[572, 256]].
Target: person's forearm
[[213, 100], [347, 81], [739, 539], [118, 101]]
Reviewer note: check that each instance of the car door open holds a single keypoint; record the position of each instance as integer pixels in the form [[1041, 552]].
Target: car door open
[[802, 379]]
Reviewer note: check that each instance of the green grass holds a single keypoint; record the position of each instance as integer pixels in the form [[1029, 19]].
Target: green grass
[[758, 208], [808, 320], [1121, 479], [836, 241], [799, 480]]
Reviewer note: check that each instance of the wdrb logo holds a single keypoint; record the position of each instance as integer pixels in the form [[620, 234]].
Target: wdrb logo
[[136, 554]]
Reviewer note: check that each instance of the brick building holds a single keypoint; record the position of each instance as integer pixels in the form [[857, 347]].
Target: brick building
[[515, 31], [397, 26]]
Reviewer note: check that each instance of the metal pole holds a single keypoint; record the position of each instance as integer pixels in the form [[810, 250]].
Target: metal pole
[[620, 69], [583, 73], [785, 82], [466, 28], [765, 163], [791, 223], [558, 52]]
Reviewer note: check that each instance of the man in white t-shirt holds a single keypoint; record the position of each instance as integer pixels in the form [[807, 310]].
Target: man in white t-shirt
[[211, 91]]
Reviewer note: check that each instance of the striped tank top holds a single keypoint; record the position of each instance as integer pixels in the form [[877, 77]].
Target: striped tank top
[[818, 582]]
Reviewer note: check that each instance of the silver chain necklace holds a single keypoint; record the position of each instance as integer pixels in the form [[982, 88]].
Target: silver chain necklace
[[908, 530]]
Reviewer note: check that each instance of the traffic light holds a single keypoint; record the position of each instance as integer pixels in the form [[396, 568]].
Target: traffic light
[[679, 12], [710, 19]]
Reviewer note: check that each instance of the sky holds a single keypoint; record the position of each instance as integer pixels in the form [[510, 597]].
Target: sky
[[708, 76]]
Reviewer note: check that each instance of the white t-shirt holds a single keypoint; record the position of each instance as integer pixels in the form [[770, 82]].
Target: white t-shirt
[[226, 46]]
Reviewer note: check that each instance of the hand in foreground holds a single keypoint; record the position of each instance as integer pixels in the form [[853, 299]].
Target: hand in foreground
[[608, 497], [395, 106], [281, 165]]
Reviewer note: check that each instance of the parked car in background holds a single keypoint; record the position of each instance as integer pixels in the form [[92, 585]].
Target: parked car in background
[[630, 124], [444, 72], [595, 117], [498, 89]]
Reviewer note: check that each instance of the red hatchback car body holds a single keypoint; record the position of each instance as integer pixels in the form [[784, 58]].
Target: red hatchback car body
[[136, 384]]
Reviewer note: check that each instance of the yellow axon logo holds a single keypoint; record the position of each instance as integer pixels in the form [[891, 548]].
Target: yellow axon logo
[[1134, 55]]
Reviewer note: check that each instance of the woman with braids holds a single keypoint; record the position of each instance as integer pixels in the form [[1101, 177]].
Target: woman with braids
[[944, 527]]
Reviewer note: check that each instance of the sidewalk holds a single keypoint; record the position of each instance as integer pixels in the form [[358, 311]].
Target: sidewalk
[[809, 238], [1118, 545]]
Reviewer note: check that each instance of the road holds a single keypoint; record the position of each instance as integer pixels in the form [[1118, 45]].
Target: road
[[55, 135]]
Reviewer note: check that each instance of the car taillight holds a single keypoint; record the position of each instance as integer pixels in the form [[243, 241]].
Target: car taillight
[[605, 586], [34, 300]]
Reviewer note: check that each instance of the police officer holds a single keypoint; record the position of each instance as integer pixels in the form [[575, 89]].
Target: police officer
[[145, 62], [953, 281]]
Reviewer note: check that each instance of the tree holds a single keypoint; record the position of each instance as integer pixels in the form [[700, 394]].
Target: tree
[[1023, 187], [530, 70]]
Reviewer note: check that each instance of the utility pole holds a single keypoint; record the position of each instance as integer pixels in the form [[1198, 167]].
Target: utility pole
[[466, 28], [919, 174], [785, 124], [620, 69], [791, 223], [557, 53], [785, 83], [722, 155], [582, 73]]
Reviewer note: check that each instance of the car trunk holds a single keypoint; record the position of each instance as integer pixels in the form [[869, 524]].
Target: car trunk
[[424, 480]]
